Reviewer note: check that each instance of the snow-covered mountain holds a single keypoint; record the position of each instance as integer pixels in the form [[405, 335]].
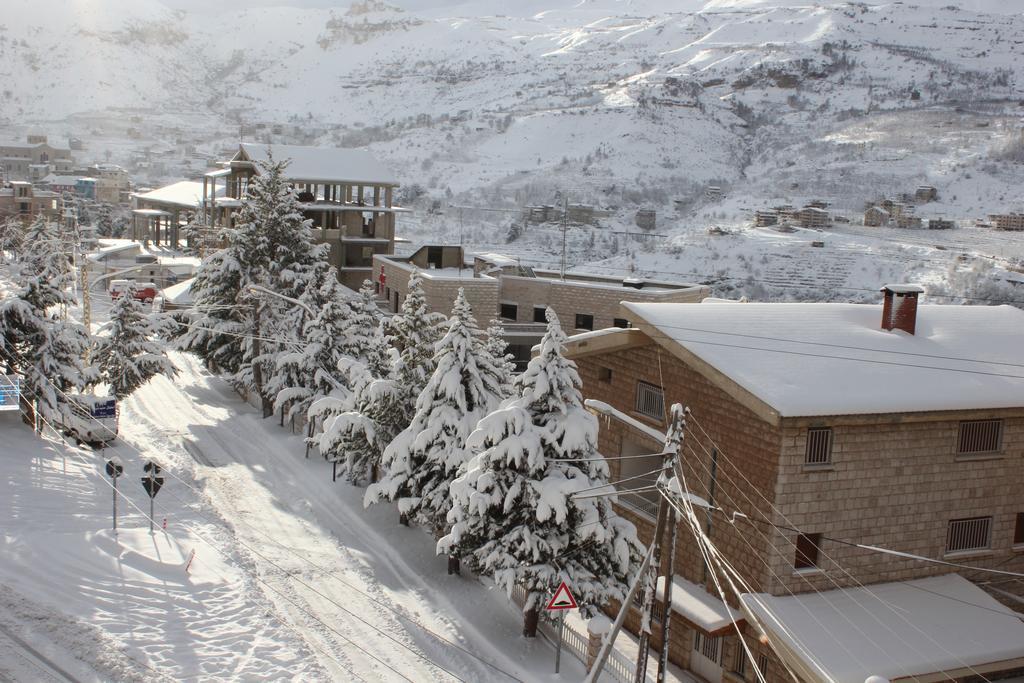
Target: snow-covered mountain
[[619, 103]]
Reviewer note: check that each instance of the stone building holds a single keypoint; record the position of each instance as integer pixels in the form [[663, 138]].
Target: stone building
[[820, 432], [1007, 221], [19, 199], [498, 286], [348, 194], [33, 159], [875, 217], [159, 215]]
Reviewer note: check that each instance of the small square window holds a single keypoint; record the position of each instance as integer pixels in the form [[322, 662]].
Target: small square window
[[1018, 530], [650, 400], [807, 551], [540, 314], [584, 321], [604, 374], [620, 322], [508, 311], [819, 446]]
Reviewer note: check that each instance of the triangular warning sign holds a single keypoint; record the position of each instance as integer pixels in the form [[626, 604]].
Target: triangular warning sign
[[563, 598]]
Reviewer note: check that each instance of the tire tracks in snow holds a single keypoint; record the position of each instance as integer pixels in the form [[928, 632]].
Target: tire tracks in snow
[[38, 660]]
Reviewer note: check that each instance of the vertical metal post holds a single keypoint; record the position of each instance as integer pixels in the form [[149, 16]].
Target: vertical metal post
[[561, 630], [711, 503], [565, 227], [115, 503], [151, 508], [666, 608]]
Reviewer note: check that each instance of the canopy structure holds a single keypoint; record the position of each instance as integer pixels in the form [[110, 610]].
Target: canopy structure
[[931, 629]]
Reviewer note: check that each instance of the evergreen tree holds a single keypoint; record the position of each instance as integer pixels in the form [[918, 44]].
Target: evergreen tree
[[357, 429], [421, 462], [12, 239], [414, 332], [514, 516], [497, 348], [37, 341], [130, 357], [272, 247]]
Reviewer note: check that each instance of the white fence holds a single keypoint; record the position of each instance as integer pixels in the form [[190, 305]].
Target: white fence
[[618, 666]]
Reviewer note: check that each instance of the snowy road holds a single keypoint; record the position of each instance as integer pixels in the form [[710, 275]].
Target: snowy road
[[368, 596]]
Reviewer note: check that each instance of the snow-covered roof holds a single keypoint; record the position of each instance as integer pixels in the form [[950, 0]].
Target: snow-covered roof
[[698, 606], [54, 179], [324, 164], [893, 630], [904, 289], [179, 294], [834, 359], [497, 259], [185, 193]]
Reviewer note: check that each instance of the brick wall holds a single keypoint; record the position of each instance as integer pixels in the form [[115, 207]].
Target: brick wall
[[569, 298], [896, 484], [481, 293]]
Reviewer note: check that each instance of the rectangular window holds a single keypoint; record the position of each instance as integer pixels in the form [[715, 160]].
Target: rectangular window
[[762, 664], [740, 664], [807, 551], [980, 436], [604, 374], [540, 314], [708, 646], [819, 446], [620, 322], [650, 401], [508, 311], [584, 321], [1018, 530], [970, 533]]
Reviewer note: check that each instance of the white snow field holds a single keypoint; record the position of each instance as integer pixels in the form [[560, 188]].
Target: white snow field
[[292, 579]]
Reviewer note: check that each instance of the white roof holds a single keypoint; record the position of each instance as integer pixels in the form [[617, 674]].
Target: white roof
[[179, 294], [893, 630], [186, 193], [698, 606], [904, 289], [834, 359], [497, 259], [324, 164]]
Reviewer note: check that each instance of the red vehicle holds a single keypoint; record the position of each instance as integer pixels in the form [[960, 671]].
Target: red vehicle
[[144, 291]]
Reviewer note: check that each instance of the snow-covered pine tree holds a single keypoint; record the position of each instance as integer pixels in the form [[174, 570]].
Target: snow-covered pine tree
[[310, 371], [414, 331], [12, 236], [130, 356], [421, 462], [514, 516], [36, 341], [357, 429], [271, 247], [497, 347], [366, 323], [196, 233]]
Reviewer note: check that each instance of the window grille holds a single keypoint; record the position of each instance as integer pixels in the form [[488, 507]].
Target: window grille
[[762, 664], [971, 533], [980, 436], [650, 400], [819, 446], [508, 311], [708, 646]]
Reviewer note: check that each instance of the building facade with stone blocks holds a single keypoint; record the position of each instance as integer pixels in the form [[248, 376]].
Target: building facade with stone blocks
[[816, 430]]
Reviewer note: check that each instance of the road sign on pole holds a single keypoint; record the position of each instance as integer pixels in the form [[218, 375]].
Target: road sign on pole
[[114, 470], [561, 601], [152, 484]]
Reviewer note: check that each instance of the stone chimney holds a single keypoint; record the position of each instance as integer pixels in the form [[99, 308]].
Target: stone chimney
[[899, 310]]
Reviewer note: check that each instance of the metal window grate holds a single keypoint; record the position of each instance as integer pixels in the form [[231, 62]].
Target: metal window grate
[[980, 436], [819, 446], [708, 646], [972, 533], [650, 400]]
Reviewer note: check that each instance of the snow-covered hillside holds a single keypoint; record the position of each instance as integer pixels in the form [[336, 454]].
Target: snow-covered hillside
[[620, 104]]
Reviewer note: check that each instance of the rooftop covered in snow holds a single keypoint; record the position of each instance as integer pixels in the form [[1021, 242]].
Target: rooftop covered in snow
[[321, 164], [806, 359], [938, 625], [185, 193]]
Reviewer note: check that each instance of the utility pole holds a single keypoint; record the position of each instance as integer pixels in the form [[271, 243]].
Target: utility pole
[[673, 444], [257, 373], [565, 227]]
